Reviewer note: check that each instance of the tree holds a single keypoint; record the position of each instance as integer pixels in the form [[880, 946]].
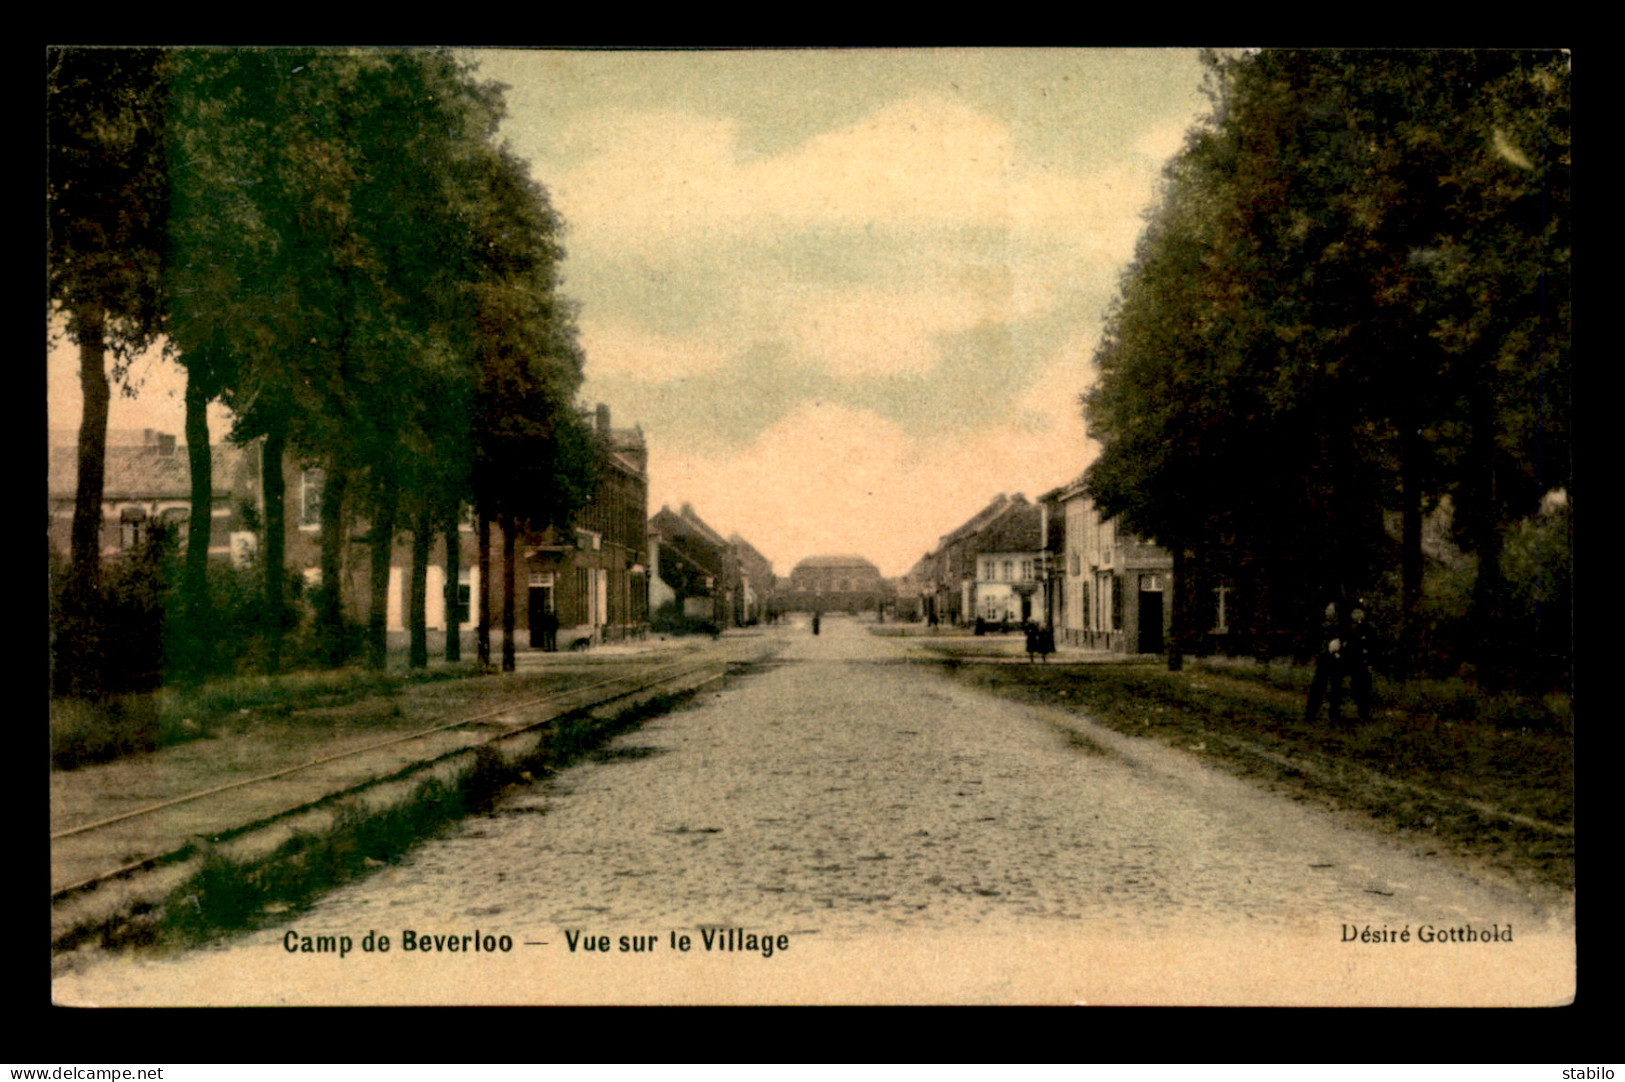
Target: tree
[[327, 190], [534, 459], [105, 211], [1351, 300]]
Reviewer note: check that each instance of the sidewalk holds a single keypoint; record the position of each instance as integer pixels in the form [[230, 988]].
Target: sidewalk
[[1010, 649], [191, 797]]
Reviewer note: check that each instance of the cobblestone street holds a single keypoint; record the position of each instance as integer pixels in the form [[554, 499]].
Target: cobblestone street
[[853, 802]]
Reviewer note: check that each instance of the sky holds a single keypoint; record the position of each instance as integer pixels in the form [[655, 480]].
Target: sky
[[850, 296]]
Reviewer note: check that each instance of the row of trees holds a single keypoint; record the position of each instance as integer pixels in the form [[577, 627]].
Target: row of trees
[[335, 245], [1350, 305]]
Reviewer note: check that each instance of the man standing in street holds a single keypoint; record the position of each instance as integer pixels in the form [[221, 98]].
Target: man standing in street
[[1328, 681], [1355, 663]]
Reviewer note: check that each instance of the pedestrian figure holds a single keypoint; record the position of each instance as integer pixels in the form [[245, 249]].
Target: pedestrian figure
[[550, 631], [1355, 663], [1328, 681], [1030, 630], [815, 623]]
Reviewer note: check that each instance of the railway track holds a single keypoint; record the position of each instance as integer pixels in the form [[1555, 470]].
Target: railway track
[[169, 830]]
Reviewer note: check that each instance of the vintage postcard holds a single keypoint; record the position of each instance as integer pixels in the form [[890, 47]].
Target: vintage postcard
[[810, 526]]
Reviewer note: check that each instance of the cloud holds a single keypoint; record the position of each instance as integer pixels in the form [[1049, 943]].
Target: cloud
[[615, 350], [925, 160], [865, 332], [831, 478], [1162, 141]]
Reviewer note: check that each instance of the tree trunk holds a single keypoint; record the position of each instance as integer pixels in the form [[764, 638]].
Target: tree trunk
[[383, 546], [1411, 454], [508, 663], [195, 602], [330, 596], [483, 634], [276, 540], [87, 507], [1486, 611], [454, 559], [1179, 602], [418, 652]]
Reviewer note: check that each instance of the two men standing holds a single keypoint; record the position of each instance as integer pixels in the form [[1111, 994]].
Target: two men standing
[[1342, 654]]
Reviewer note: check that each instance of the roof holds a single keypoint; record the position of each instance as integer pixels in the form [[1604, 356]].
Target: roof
[[1078, 486], [1019, 530], [748, 551], [986, 515], [837, 561], [671, 523], [145, 472], [687, 514]]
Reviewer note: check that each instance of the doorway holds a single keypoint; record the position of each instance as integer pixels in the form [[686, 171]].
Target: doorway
[[543, 622], [1150, 614]]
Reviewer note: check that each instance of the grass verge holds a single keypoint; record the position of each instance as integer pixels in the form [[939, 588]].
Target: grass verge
[[226, 895], [1462, 776], [84, 731]]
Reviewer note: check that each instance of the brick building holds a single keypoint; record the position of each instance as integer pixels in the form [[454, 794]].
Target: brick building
[[835, 584], [592, 577], [1116, 590], [693, 567], [148, 483]]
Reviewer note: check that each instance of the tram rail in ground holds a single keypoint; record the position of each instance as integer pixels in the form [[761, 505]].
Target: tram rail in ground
[[169, 830]]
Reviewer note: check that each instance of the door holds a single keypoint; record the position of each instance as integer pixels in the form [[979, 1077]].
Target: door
[[541, 603], [1150, 614]]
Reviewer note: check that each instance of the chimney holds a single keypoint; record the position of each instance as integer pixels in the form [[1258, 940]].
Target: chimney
[[603, 420]]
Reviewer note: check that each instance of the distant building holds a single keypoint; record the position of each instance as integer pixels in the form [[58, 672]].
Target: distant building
[[993, 568], [1009, 566], [148, 483], [592, 578], [835, 584], [1116, 590], [693, 566], [753, 598], [953, 567]]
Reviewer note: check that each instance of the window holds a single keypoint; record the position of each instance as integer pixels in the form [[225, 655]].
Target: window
[[310, 497], [1026, 571], [1077, 564], [1009, 570], [175, 521], [132, 522]]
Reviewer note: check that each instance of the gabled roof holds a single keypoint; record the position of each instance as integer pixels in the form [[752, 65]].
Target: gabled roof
[[975, 522], [685, 524], [1078, 486], [980, 521], [748, 552], [837, 561], [628, 450], [1019, 529], [700, 526], [147, 472]]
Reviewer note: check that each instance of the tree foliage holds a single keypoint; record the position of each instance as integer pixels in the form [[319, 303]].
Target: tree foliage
[[105, 196], [340, 251], [1351, 300]]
